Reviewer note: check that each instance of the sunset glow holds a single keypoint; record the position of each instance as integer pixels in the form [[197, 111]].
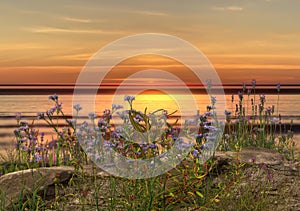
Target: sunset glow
[[51, 42]]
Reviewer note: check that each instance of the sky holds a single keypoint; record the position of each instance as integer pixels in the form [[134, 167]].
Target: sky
[[49, 42]]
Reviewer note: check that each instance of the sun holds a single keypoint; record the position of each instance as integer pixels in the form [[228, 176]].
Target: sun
[[156, 99]]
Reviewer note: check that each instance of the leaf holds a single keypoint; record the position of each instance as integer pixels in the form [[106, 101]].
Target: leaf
[[199, 194], [191, 193]]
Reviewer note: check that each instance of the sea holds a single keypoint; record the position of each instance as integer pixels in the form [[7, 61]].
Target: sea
[[29, 103]]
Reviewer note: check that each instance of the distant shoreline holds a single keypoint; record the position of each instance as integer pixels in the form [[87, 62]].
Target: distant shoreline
[[67, 90]]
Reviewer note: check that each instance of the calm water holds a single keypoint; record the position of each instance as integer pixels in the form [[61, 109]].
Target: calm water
[[29, 105]]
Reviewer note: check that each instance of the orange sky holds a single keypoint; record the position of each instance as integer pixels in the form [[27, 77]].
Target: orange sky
[[244, 39]]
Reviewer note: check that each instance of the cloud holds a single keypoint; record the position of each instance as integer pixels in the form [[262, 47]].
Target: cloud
[[152, 13], [229, 8], [78, 20], [64, 30]]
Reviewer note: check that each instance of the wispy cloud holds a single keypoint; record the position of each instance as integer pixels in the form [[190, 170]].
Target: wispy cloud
[[152, 13], [229, 8], [43, 29], [22, 46], [78, 20]]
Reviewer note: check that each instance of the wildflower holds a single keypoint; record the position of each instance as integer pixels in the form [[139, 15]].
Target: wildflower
[[52, 144], [249, 91], [40, 115], [42, 136], [207, 145], [262, 98], [51, 111], [18, 116], [208, 84], [102, 124], [244, 87], [53, 97], [116, 107], [152, 146], [92, 115], [268, 111], [213, 100], [132, 197], [107, 114], [37, 157], [240, 94], [253, 83], [227, 113], [129, 98], [71, 122], [278, 87], [274, 120], [77, 107], [195, 153], [58, 106], [211, 128]]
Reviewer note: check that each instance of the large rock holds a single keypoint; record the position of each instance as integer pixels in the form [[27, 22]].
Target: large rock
[[252, 156], [12, 184]]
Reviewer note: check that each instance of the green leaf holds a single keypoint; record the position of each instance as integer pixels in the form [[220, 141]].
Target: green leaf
[[199, 194]]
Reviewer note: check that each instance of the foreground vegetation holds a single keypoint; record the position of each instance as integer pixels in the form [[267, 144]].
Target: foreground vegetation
[[189, 186]]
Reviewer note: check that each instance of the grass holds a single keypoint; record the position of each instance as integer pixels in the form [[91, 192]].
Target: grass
[[190, 185]]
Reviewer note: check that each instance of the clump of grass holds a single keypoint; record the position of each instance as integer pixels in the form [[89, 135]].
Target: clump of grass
[[262, 127]]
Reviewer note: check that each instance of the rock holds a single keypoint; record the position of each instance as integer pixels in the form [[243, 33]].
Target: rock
[[12, 184], [252, 156]]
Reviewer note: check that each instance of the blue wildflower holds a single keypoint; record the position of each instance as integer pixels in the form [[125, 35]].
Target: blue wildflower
[[129, 98], [40, 115], [53, 97], [278, 87], [77, 107], [92, 115], [116, 107]]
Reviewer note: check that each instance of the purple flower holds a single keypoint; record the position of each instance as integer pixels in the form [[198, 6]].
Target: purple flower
[[278, 87], [227, 113], [209, 84], [40, 115], [249, 91], [116, 107], [152, 146], [244, 87], [92, 115], [240, 94], [77, 107], [129, 98], [51, 111], [207, 145], [195, 153], [53, 97], [37, 157], [71, 122], [107, 114], [102, 124], [18, 116], [262, 99], [52, 144], [253, 82], [213, 100]]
